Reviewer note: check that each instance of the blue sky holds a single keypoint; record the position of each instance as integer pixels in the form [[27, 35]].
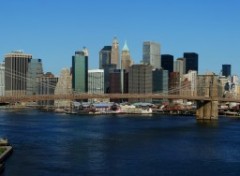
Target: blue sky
[[54, 30]]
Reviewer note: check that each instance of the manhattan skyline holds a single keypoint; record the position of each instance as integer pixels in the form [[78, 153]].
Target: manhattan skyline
[[53, 31]]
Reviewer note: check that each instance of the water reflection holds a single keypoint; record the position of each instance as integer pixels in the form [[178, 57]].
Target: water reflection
[[51, 144], [208, 123]]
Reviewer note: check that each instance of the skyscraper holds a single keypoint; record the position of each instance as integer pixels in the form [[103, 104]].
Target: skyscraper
[[126, 60], [190, 62], [151, 54], [140, 80], [191, 78], [179, 66], [64, 86], [160, 81], [226, 70], [167, 62], [115, 52], [35, 71], [96, 81], [107, 70], [2, 79], [80, 71], [16, 67], [118, 81], [174, 83], [47, 84], [105, 56]]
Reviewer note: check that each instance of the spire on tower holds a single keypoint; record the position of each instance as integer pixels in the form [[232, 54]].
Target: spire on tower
[[125, 47], [115, 42]]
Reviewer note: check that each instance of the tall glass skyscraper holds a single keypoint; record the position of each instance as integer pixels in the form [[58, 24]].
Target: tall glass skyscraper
[[167, 62], [105, 57], [190, 62], [80, 71], [160, 81], [35, 71], [151, 54], [226, 70]]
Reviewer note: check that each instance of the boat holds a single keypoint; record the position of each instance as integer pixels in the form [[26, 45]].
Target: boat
[[231, 113]]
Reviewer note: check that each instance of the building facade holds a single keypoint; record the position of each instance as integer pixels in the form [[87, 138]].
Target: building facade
[[35, 71], [226, 70], [2, 79], [115, 52], [118, 81], [223, 86], [105, 56], [63, 86], [174, 83], [96, 81], [80, 71], [189, 84], [167, 62], [16, 67], [190, 61], [160, 81], [126, 61], [140, 81], [179, 66], [107, 70], [151, 54], [47, 85]]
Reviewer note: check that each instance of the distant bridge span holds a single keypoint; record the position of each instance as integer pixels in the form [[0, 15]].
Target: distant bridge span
[[32, 98]]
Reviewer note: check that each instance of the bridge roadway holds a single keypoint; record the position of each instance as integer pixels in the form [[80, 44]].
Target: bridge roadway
[[31, 98]]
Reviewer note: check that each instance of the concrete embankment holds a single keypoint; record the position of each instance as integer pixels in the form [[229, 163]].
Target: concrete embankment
[[6, 153]]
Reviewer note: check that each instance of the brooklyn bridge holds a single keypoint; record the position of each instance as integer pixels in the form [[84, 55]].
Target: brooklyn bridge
[[84, 96], [207, 95], [207, 98]]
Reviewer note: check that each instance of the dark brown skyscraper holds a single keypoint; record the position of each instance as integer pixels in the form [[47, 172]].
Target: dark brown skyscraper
[[16, 67]]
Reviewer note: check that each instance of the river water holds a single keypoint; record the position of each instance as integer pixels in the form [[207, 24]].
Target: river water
[[64, 145]]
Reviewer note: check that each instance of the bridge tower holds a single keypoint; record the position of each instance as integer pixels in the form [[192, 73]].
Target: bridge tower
[[207, 87]]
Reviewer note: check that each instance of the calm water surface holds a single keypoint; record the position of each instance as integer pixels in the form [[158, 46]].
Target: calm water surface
[[64, 145]]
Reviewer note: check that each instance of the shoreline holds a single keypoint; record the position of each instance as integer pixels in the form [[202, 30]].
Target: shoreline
[[6, 153], [154, 112], [4, 156]]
